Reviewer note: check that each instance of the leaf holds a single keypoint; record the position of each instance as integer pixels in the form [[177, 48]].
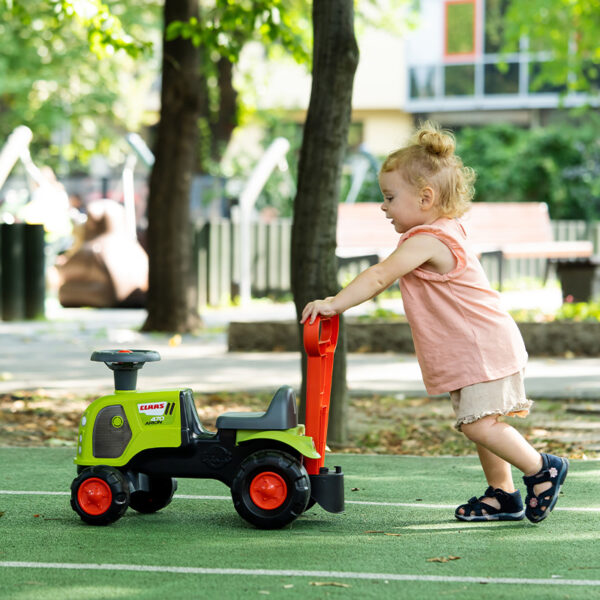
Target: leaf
[[374, 531], [443, 559], [330, 583], [176, 339]]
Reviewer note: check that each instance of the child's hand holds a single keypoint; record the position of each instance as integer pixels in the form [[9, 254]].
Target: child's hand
[[318, 307]]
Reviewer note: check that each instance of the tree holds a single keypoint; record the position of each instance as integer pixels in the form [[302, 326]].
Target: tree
[[194, 40], [171, 303], [314, 264], [221, 33], [564, 31], [53, 80]]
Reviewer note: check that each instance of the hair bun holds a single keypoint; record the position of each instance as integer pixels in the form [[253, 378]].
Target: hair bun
[[437, 142]]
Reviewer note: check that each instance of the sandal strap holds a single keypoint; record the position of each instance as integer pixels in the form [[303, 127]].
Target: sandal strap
[[554, 470], [475, 506], [549, 472], [509, 502]]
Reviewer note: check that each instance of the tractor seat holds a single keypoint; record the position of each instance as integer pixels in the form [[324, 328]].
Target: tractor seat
[[281, 414]]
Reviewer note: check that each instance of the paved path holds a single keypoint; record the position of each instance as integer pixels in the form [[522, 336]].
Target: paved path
[[54, 355]]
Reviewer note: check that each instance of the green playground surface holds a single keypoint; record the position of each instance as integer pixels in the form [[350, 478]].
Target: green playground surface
[[397, 538]]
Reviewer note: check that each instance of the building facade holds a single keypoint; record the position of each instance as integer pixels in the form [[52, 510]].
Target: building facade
[[456, 73]]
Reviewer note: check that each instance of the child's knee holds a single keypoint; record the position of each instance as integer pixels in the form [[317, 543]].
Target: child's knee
[[478, 430]]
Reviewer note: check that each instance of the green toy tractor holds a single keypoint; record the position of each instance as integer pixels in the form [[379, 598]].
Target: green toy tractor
[[132, 445]]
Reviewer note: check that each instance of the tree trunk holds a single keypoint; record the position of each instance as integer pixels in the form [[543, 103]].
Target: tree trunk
[[314, 263], [227, 117], [218, 118], [172, 295]]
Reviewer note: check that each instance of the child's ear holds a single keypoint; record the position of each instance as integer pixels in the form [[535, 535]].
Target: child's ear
[[427, 198]]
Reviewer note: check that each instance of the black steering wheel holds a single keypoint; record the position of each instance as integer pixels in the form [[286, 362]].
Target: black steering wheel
[[125, 356], [125, 364]]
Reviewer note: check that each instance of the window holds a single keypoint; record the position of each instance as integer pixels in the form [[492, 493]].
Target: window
[[422, 82], [505, 81], [495, 15], [542, 86], [460, 28], [459, 80]]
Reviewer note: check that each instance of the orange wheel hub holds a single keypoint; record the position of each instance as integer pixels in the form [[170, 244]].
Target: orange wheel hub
[[94, 496], [268, 490]]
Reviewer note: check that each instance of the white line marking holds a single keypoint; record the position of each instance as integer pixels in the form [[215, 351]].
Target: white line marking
[[405, 504], [294, 573], [364, 502], [192, 497], [32, 493], [453, 506]]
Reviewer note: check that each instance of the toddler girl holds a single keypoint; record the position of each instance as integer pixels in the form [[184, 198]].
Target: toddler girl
[[466, 343]]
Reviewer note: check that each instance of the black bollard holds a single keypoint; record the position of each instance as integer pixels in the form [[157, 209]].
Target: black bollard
[[35, 272], [13, 271]]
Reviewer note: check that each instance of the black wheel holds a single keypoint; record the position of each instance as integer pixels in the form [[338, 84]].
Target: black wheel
[[100, 495], [311, 503], [158, 496], [271, 489]]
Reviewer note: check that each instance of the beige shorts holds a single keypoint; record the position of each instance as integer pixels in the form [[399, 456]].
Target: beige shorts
[[504, 396]]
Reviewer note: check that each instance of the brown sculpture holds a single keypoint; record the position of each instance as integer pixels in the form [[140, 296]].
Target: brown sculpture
[[109, 269]]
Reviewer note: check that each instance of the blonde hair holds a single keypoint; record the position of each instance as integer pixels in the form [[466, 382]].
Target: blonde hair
[[429, 160]]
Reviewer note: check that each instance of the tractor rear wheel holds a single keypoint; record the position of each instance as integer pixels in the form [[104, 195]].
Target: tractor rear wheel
[[271, 489], [100, 495], [158, 496]]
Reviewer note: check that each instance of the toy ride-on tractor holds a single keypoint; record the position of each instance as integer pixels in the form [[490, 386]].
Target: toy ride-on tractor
[[132, 445]]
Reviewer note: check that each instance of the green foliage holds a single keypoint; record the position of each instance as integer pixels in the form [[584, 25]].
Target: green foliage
[[558, 164], [227, 26], [569, 311], [579, 311], [52, 79], [567, 31], [106, 34], [381, 313]]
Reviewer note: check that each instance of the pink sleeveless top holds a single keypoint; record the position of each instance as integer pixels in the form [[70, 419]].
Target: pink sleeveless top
[[462, 335]]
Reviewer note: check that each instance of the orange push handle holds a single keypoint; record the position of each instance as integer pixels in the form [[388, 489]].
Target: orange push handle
[[320, 340]]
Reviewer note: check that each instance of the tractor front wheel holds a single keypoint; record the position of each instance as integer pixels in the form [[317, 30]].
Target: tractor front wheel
[[100, 495], [271, 489]]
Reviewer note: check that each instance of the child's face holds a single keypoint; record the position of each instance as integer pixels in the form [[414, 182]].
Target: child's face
[[401, 202]]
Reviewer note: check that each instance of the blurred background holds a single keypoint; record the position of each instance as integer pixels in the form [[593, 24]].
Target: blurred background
[[80, 98]]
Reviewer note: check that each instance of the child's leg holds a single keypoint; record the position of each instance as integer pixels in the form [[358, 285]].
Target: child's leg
[[508, 444], [497, 473]]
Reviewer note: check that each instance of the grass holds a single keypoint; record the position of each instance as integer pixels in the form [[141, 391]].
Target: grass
[[401, 486], [412, 540]]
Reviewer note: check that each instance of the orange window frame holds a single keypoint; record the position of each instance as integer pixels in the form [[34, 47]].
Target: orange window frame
[[461, 55]]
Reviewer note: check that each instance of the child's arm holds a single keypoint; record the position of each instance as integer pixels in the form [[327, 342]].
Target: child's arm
[[374, 280]]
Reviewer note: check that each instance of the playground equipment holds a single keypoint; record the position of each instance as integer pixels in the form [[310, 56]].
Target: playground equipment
[[132, 445]]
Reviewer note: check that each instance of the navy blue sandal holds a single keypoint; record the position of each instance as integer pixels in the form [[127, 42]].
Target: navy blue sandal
[[511, 507], [554, 469]]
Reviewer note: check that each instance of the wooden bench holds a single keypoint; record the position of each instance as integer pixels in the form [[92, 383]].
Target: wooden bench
[[499, 229]]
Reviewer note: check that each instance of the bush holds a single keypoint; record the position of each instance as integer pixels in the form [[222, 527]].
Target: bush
[[558, 164]]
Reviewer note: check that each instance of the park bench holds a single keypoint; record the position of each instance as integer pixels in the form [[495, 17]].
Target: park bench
[[502, 230]]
